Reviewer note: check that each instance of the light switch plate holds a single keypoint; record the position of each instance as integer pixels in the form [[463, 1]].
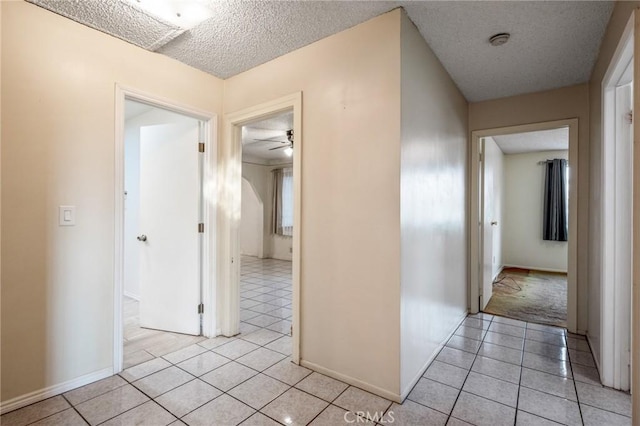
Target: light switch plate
[[67, 215]]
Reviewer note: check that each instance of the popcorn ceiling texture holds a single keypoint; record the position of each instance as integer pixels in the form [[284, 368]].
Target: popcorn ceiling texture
[[117, 18], [553, 43], [544, 140]]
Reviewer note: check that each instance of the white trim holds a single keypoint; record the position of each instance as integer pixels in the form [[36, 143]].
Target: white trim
[[474, 216], [500, 269], [229, 213], [48, 392], [614, 317], [209, 185], [132, 296], [352, 381], [536, 268]]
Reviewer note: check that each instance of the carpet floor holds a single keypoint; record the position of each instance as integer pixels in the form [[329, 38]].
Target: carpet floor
[[529, 295]]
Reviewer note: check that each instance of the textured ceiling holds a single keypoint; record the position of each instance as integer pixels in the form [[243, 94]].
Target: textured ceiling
[[545, 140], [257, 150], [553, 43]]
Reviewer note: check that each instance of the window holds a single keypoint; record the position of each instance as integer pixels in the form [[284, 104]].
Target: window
[[283, 202]]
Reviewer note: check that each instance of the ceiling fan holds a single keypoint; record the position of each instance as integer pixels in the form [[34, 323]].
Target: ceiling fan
[[286, 144]]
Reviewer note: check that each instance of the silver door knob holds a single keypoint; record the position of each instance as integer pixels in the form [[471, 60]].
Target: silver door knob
[[142, 237], [494, 223]]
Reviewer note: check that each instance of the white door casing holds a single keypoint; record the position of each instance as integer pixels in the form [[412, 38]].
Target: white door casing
[[476, 257], [487, 203], [617, 216], [228, 273], [170, 190]]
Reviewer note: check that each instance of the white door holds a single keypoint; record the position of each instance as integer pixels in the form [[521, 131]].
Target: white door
[[170, 188], [486, 231]]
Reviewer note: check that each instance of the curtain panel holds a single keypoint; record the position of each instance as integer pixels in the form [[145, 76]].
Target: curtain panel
[[282, 205], [555, 224]]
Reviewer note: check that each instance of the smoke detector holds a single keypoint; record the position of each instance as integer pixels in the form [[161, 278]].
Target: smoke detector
[[499, 39]]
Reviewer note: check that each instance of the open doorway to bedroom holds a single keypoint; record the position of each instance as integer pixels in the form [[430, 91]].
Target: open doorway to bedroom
[[546, 141], [525, 224], [266, 234]]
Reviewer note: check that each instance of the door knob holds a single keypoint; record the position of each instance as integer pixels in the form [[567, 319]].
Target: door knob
[[142, 237], [494, 223]]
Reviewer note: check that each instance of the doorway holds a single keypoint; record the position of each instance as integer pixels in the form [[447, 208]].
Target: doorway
[[617, 216], [163, 228], [230, 217], [480, 273], [524, 215], [266, 231]]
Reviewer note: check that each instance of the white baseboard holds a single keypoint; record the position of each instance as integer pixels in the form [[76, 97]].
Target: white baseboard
[[597, 361], [131, 295], [497, 273], [48, 392], [535, 268], [433, 356], [352, 381]]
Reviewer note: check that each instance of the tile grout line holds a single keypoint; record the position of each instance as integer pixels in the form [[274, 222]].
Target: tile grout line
[[575, 387]]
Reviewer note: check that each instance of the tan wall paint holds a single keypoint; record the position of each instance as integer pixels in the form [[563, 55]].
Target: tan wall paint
[[619, 18], [564, 103], [58, 80], [350, 85]]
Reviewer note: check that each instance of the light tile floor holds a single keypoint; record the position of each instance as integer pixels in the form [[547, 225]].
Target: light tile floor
[[493, 371], [143, 344]]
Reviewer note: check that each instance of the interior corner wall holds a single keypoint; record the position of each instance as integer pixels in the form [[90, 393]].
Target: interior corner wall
[[551, 105], [433, 206], [350, 150], [252, 221], [58, 133], [260, 176], [494, 159], [619, 18], [524, 204]]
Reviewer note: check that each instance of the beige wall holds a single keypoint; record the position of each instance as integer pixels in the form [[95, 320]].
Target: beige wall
[[558, 104], [522, 227], [619, 18], [350, 187], [433, 218], [58, 80]]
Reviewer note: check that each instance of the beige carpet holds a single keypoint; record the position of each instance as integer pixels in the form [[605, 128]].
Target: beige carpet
[[528, 295]]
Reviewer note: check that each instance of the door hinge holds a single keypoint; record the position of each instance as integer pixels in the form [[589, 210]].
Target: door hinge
[[201, 147], [480, 156], [201, 308], [200, 228], [629, 117]]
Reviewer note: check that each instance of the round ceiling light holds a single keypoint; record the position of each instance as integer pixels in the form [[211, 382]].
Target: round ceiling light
[[499, 39]]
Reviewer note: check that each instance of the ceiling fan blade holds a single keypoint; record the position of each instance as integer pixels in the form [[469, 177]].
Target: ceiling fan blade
[[270, 140], [278, 147]]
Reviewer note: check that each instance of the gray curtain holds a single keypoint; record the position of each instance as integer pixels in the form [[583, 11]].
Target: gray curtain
[[555, 227]]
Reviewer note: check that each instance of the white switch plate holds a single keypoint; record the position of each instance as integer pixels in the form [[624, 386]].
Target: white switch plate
[[67, 215]]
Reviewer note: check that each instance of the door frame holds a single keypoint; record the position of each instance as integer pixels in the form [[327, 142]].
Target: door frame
[[475, 250], [231, 204], [615, 344], [209, 210]]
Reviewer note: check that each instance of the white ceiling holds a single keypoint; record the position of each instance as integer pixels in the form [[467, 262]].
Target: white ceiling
[[544, 140], [553, 43], [134, 109], [257, 150]]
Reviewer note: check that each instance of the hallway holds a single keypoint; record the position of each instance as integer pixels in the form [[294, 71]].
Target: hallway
[[493, 371]]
